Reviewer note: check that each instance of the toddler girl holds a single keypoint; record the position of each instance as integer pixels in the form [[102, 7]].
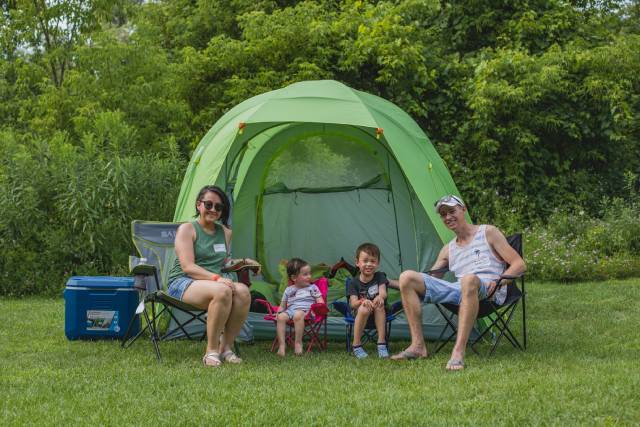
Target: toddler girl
[[296, 303]]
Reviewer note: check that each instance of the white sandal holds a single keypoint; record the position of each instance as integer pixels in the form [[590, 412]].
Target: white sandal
[[230, 357], [212, 359]]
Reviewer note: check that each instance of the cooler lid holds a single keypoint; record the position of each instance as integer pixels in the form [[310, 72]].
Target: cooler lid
[[100, 282]]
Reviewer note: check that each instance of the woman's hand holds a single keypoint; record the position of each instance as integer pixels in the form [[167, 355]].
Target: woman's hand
[[252, 261], [227, 282]]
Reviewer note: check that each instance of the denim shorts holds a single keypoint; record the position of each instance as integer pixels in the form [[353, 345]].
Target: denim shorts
[[178, 286], [439, 291]]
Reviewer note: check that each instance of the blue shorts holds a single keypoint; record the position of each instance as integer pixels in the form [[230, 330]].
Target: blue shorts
[[178, 286], [438, 291]]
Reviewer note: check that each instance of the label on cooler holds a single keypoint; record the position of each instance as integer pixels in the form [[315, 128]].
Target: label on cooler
[[103, 320]]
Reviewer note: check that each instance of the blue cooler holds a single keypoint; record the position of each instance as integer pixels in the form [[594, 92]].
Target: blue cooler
[[99, 307]]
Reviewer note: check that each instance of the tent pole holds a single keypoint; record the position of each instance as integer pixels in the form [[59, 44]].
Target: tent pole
[[395, 217]]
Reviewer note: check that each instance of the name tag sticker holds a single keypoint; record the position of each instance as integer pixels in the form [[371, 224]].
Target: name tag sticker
[[220, 247]]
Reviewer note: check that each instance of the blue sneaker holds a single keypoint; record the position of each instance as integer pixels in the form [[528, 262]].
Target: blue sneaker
[[383, 351], [359, 352]]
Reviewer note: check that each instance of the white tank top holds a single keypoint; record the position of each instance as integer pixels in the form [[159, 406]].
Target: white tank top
[[477, 258]]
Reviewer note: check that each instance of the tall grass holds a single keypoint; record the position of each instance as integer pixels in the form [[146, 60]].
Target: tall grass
[[67, 209]]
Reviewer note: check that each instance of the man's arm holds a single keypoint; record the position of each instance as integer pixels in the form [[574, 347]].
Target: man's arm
[[441, 262], [503, 249]]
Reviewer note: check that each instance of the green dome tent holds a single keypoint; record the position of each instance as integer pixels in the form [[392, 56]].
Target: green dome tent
[[316, 168]]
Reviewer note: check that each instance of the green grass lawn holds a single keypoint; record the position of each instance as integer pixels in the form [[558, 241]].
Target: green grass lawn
[[581, 367]]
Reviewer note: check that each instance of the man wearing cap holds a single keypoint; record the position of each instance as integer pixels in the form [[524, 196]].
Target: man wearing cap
[[477, 256]]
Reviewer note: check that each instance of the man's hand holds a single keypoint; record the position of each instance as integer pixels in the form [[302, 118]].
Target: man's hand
[[490, 287]]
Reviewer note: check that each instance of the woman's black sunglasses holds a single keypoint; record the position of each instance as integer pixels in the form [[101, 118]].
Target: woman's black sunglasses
[[208, 205]]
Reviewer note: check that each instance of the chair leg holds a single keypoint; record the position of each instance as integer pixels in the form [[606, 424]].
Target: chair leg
[[504, 329], [387, 333], [502, 326], [326, 343], [181, 325], [153, 330], [124, 343], [450, 324], [524, 316]]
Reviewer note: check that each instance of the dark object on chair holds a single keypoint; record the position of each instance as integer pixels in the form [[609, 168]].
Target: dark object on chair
[[242, 267], [353, 270], [155, 244], [497, 316], [370, 332]]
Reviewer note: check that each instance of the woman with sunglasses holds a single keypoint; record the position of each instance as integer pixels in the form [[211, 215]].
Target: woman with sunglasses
[[202, 246]]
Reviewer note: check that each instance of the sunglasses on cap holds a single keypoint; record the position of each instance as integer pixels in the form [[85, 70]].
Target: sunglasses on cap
[[449, 200], [208, 205]]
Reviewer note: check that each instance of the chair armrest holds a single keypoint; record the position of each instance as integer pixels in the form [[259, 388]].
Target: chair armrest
[[504, 280], [395, 308], [506, 277], [143, 269], [319, 309], [342, 307]]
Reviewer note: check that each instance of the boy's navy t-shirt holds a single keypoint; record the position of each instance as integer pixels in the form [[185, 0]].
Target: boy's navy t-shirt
[[367, 290]]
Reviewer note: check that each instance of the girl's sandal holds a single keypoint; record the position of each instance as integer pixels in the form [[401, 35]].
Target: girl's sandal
[[230, 357], [212, 359]]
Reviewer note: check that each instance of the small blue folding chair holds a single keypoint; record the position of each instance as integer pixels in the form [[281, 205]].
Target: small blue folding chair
[[370, 333]]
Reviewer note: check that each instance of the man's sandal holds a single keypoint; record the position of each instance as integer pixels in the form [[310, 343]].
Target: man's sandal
[[455, 365], [212, 359], [230, 357]]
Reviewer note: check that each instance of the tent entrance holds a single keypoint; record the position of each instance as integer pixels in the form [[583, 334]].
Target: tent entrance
[[322, 195], [322, 227]]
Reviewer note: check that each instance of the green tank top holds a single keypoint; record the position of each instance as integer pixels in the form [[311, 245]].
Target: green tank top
[[209, 250]]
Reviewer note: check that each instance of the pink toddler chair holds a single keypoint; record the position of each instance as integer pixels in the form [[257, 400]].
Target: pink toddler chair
[[315, 322]]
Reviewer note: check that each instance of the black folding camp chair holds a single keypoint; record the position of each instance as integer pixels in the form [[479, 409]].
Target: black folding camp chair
[[155, 244], [496, 318]]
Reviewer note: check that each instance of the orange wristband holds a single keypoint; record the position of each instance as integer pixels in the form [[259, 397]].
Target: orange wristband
[[215, 277]]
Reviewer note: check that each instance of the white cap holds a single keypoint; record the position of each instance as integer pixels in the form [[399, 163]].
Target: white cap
[[449, 200]]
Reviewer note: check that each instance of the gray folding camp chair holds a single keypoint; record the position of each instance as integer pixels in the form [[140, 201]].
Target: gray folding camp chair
[[155, 244]]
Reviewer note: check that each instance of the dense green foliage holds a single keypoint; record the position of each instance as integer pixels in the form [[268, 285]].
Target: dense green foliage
[[533, 105], [580, 369], [571, 245]]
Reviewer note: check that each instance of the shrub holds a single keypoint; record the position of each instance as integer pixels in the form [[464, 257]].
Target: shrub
[[574, 246], [67, 210]]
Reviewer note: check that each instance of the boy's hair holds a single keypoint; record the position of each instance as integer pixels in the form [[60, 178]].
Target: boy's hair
[[369, 249], [294, 266]]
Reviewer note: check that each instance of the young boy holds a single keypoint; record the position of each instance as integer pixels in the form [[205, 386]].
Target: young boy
[[367, 294]]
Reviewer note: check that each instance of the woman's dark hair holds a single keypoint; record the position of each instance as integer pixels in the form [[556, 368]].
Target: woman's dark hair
[[294, 266], [224, 215]]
